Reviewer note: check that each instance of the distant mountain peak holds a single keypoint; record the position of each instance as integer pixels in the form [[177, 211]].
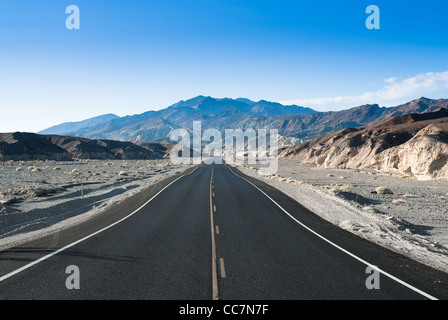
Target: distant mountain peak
[[69, 127], [245, 100]]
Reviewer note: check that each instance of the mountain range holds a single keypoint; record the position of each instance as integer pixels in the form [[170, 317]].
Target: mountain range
[[155, 125], [295, 123]]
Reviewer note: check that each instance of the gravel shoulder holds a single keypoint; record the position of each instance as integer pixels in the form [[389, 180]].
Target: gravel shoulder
[[412, 220]]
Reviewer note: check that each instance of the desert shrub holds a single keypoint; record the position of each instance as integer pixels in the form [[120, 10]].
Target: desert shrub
[[123, 173], [370, 209], [343, 188], [349, 225], [383, 190], [19, 169], [57, 168]]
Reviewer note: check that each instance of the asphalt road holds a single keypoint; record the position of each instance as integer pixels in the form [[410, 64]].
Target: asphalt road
[[211, 233]]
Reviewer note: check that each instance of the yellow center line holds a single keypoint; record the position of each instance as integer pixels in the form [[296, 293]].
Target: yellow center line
[[215, 294], [221, 266]]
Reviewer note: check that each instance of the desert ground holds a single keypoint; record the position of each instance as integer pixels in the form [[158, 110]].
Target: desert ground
[[411, 218], [42, 197]]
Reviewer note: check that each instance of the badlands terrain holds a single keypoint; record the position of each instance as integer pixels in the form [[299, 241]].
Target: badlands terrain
[[412, 144]]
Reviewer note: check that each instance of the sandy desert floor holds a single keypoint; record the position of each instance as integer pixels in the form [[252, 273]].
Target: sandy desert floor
[[413, 220], [43, 197]]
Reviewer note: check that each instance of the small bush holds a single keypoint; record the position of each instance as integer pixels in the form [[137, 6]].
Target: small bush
[[123, 173], [383, 190], [349, 225], [343, 188], [370, 209], [19, 169], [57, 168]]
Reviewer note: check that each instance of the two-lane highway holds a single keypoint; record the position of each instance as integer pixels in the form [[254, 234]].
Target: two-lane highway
[[213, 233]]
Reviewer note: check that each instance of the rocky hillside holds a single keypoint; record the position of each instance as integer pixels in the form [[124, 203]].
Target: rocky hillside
[[30, 146], [412, 144]]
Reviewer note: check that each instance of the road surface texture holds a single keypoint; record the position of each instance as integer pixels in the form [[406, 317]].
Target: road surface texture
[[211, 233]]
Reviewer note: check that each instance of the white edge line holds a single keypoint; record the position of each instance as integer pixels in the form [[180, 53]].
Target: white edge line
[[340, 248], [12, 273]]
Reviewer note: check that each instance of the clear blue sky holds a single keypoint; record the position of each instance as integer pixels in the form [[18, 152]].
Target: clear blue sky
[[130, 56]]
